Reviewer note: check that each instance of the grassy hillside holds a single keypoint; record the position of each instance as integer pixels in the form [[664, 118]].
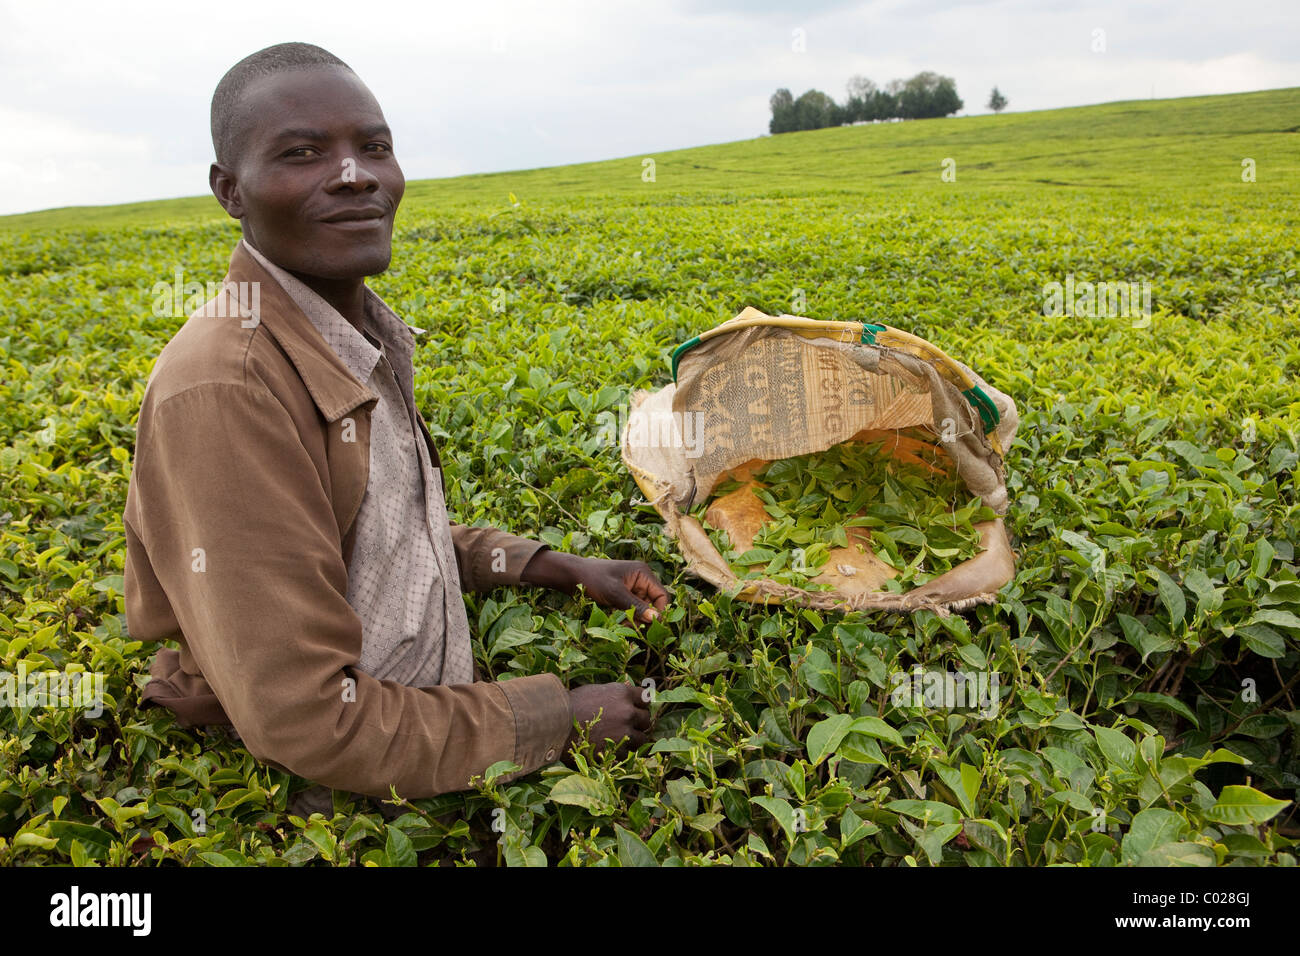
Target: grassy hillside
[[1147, 649], [1200, 141]]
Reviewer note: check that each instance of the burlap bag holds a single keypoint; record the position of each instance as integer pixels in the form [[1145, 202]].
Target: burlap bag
[[760, 388]]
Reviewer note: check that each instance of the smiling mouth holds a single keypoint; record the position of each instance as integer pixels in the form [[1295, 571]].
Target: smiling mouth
[[358, 219], [371, 222]]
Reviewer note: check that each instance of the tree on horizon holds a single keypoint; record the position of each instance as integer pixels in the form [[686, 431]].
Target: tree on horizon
[[924, 96]]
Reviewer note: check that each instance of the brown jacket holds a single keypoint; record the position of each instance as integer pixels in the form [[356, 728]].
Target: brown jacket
[[251, 460]]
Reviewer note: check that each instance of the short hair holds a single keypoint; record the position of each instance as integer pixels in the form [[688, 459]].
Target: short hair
[[227, 123]]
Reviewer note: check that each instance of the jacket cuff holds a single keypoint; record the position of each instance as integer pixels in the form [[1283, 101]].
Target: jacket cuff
[[493, 558], [518, 552], [543, 720]]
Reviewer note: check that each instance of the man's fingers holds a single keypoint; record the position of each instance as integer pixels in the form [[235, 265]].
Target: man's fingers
[[646, 584], [631, 585], [629, 719], [648, 612], [625, 597], [643, 583]]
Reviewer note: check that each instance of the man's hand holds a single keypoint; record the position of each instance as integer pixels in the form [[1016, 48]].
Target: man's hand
[[622, 709], [614, 584]]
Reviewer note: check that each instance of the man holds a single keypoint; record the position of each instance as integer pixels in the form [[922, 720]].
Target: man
[[285, 520]]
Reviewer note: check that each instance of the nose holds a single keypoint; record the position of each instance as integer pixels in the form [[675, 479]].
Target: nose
[[354, 174]]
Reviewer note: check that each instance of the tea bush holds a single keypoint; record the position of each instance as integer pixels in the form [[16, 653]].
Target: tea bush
[[1137, 680]]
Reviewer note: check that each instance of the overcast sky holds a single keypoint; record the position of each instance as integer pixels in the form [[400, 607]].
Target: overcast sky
[[108, 102]]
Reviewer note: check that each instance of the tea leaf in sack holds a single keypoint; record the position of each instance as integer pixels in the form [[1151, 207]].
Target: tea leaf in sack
[[921, 525]]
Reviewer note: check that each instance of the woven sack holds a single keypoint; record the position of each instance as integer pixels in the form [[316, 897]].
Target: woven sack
[[760, 388]]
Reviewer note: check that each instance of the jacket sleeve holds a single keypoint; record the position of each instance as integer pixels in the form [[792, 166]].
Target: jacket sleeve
[[241, 536], [490, 558]]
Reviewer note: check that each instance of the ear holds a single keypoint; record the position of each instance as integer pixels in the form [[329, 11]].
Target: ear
[[222, 183]]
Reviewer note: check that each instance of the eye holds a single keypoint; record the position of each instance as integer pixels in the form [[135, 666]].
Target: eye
[[300, 150], [382, 147]]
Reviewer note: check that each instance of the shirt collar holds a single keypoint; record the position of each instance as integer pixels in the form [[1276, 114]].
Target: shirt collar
[[353, 348]]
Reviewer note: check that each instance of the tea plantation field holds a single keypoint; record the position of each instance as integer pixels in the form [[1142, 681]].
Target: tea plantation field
[[1146, 653]]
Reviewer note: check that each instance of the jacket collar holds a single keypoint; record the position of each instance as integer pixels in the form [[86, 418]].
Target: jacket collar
[[358, 352], [333, 388]]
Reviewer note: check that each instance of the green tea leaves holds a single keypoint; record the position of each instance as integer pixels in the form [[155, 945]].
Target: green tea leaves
[[919, 525]]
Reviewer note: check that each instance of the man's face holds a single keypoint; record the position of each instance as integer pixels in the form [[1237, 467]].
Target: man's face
[[316, 184]]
